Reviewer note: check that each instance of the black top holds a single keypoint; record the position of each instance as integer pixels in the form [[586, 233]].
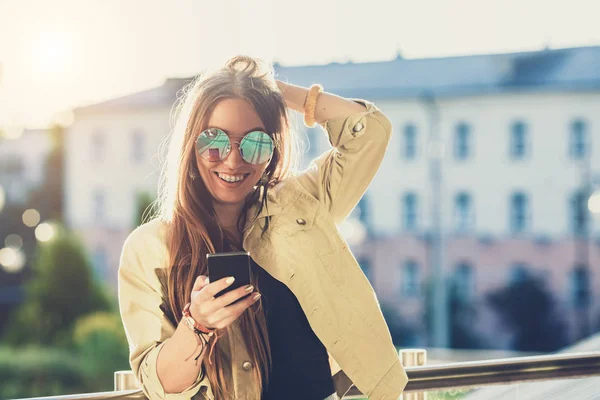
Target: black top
[[300, 364]]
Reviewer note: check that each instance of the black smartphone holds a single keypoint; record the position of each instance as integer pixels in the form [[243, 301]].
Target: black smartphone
[[236, 264]]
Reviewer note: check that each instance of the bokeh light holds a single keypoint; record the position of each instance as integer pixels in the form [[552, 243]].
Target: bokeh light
[[353, 231], [7, 256], [44, 232], [594, 202], [31, 217], [12, 260], [14, 241]]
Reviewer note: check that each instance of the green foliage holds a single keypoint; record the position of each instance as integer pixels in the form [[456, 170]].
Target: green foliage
[[461, 314], [101, 342], [48, 198], [61, 290], [528, 309], [38, 371], [144, 208]]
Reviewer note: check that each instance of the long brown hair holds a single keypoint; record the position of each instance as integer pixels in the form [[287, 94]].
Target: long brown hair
[[185, 204]]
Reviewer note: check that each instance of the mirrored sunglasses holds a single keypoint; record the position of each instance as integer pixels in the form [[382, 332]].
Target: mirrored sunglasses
[[214, 145]]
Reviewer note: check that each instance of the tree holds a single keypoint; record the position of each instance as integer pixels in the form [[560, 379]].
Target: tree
[[144, 208], [48, 198], [461, 314], [402, 334], [527, 307], [102, 345], [61, 290]]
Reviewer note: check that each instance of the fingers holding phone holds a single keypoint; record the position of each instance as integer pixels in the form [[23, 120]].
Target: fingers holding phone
[[219, 312]]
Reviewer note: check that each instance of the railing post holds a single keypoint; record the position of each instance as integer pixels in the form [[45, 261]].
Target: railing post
[[125, 380], [413, 358]]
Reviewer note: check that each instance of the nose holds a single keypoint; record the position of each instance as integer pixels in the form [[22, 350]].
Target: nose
[[234, 158]]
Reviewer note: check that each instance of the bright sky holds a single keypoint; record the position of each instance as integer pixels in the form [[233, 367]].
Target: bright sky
[[58, 54]]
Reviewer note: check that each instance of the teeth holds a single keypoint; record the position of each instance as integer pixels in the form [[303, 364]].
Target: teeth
[[230, 178]]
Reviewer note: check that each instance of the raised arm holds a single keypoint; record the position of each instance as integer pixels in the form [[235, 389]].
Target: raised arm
[[359, 134]]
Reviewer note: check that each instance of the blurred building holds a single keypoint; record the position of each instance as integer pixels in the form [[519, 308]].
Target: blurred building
[[22, 163], [519, 133]]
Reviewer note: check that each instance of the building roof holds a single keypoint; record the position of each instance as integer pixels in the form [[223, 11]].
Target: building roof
[[569, 69]]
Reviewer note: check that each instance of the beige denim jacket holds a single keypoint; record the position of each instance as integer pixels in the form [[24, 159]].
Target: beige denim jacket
[[304, 250]]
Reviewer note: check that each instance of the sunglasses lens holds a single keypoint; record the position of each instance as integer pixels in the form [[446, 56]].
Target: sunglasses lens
[[256, 147], [213, 144]]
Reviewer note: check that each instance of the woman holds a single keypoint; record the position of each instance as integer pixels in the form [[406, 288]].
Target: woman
[[310, 325]]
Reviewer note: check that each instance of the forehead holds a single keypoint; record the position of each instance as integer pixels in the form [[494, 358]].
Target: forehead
[[234, 116]]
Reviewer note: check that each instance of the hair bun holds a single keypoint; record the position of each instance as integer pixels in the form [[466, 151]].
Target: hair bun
[[252, 67]]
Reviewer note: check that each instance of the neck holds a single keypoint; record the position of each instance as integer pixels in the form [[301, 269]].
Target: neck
[[228, 215]]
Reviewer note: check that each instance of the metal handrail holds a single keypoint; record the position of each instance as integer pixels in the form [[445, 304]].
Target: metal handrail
[[451, 376], [501, 371]]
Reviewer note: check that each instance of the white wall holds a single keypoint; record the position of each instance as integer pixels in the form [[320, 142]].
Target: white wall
[[548, 175], [118, 175]]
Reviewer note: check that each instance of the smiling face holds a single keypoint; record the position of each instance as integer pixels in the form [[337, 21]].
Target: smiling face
[[236, 117]]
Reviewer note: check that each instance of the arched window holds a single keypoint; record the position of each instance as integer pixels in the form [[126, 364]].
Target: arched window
[[578, 142], [518, 140], [578, 204], [410, 281], [409, 144], [409, 212], [519, 211], [462, 141], [463, 212]]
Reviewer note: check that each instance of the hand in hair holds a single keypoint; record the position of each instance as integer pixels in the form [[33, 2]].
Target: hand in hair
[[214, 312]]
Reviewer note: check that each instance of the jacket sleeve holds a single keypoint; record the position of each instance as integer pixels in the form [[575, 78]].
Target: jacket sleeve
[[340, 176], [146, 326]]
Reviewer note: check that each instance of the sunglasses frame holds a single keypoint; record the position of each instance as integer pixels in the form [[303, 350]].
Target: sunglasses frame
[[230, 145]]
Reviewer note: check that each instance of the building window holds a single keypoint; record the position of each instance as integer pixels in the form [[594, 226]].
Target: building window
[[138, 146], [410, 283], [462, 141], [578, 204], [464, 282], [580, 287], [519, 273], [519, 206], [365, 265], [99, 206], [409, 212], [409, 145], [98, 146], [463, 212], [578, 140], [518, 140]]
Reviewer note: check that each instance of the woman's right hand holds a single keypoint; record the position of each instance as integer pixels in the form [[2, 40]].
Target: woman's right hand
[[217, 313]]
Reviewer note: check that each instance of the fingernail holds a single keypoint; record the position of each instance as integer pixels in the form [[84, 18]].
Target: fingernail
[[230, 280], [206, 280], [256, 297], [249, 288]]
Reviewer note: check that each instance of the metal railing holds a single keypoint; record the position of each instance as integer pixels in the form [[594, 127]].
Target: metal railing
[[423, 378]]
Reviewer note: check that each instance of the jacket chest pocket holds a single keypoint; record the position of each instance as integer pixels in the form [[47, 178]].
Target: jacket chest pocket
[[305, 223]]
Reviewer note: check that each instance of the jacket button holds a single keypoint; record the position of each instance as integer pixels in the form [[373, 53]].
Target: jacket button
[[358, 127], [247, 366], [300, 221]]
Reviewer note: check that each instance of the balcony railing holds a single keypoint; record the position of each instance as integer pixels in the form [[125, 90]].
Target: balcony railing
[[425, 378]]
